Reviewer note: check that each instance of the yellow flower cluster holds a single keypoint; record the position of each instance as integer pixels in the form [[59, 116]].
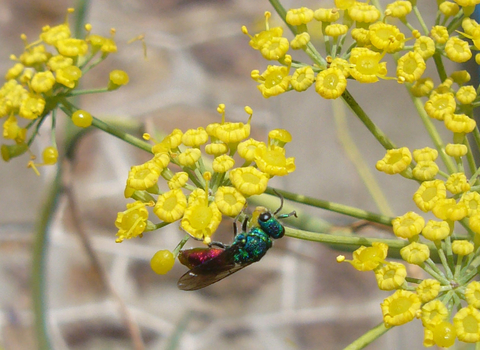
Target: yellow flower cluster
[[41, 80], [357, 36], [204, 189]]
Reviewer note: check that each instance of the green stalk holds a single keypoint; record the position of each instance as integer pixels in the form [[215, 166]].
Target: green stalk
[[335, 207], [365, 119], [39, 260], [369, 337]]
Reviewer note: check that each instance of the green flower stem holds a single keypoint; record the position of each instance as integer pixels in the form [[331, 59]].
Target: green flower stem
[[369, 337], [357, 159], [433, 270], [470, 158], [433, 133], [335, 207], [158, 226], [109, 129], [458, 266], [443, 259], [420, 20], [180, 245], [360, 113], [39, 261], [87, 92], [476, 137], [437, 58]]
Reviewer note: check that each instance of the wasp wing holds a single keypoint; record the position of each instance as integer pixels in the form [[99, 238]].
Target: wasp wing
[[211, 271]]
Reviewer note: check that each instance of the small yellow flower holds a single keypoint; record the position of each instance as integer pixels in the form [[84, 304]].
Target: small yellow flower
[[330, 83], [472, 201], [468, 25], [51, 35], [341, 64], [201, 220], [439, 34], [467, 324], [472, 293], [274, 81], [249, 180], [400, 308], [369, 258], [302, 78], [170, 142], [391, 276], [429, 193], [34, 56], [366, 66], [279, 137], [189, 157], [59, 61], [425, 170], [246, 149], [458, 50], [459, 123], [171, 205], [296, 17], [428, 290], [42, 82], [410, 67], [466, 94], [14, 71], [336, 29], [399, 9], [178, 180], [326, 15], [449, 9], [131, 222], [72, 47], [272, 161], [440, 105], [229, 201], [275, 48], [456, 150], [408, 225], [442, 334], [462, 248], [449, 209], [300, 41], [395, 161], [195, 137], [223, 163], [68, 76], [466, 3], [434, 312], [386, 37], [364, 13], [144, 176], [261, 38], [422, 87], [424, 46], [425, 154], [216, 149], [474, 222], [345, 4], [233, 133], [361, 36], [415, 253], [32, 107], [161, 159], [457, 183], [436, 230], [461, 77]]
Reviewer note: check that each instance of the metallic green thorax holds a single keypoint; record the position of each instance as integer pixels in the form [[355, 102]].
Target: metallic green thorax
[[253, 245]]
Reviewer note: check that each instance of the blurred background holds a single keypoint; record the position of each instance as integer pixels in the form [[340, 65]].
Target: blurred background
[[298, 297]]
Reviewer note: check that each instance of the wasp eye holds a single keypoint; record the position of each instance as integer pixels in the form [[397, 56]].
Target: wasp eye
[[264, 217]]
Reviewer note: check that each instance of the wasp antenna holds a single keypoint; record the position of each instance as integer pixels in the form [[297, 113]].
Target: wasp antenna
[[281, 202], [284, 216]]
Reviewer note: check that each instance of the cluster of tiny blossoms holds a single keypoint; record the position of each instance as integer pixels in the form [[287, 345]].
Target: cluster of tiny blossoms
[[445, 297], [42, 79], [203, 184]]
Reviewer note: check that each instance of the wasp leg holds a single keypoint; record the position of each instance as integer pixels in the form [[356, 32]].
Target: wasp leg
[[217, 244]]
